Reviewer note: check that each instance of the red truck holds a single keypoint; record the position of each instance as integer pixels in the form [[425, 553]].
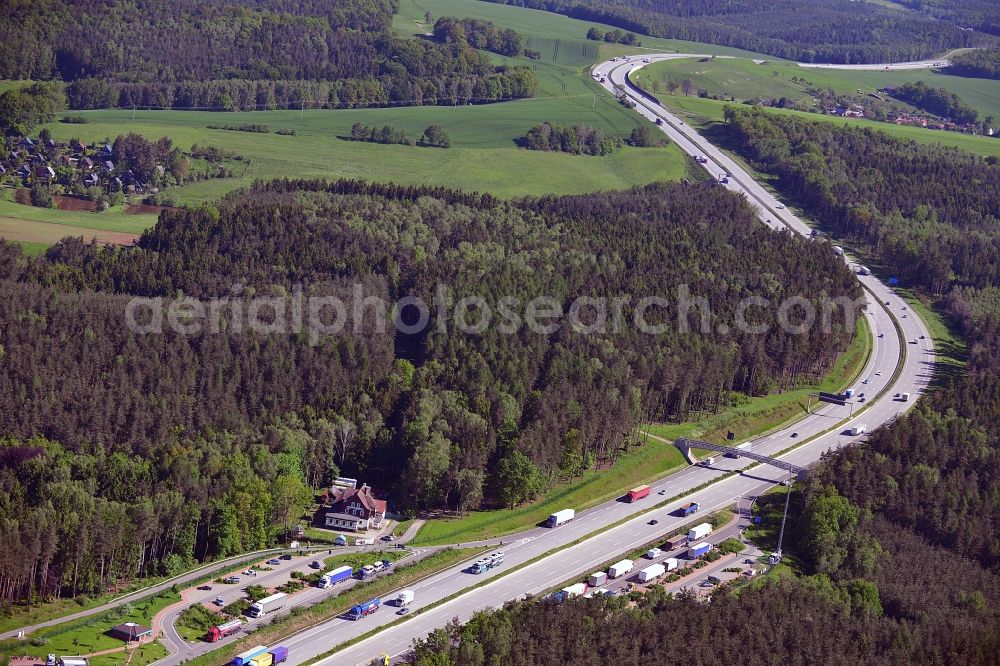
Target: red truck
[[637, 494], [223, 630]]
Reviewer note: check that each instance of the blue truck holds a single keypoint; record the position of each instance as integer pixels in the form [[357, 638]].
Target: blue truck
[[689, 508], [331, 578], [365, 609], [699, 549], [280, 653]]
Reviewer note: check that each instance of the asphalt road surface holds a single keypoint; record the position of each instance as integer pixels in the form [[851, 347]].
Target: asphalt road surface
[[569, 561], [820, 431]]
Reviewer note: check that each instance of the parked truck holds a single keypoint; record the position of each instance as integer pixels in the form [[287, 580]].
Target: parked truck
[[699, 549], [649, 573], [280, 653], [670, 563], [597, 579], [265, 659], [560, 518], [689, 508], [653, 553], [676, 541], [858, 429], [268, 605], [905, 397], [404, 598], [365, 609], [699, 531], [331, 578], [243, 659], [849, 393], [619, 569], [638, 493], [575, 590], [217, 633]]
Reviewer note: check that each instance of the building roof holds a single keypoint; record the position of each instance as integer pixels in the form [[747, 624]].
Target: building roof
[[362, 495], [130, 631]]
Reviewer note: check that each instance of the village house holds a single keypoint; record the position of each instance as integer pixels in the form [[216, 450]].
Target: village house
[[354, 509]]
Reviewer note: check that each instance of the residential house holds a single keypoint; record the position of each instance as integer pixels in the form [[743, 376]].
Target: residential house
[[86, 163], [354, 509]]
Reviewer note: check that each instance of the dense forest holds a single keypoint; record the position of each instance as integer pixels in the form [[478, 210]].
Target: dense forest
[[186, 433], [977, 64], [229, 55], [929, 214], [838, 31], [897, 542], [940, 102]]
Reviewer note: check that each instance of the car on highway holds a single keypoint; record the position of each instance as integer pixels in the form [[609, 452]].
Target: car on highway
[[865, 381], [654, 521], [878, 373], [662, 492], [205, 587], [274, 562], [922, 337], [403, 611], [794, 435]]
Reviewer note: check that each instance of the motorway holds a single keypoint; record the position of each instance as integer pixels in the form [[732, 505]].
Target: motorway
[[558, 558]]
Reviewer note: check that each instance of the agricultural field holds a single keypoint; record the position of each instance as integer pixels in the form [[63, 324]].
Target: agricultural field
[[744, 78], [702, 113]]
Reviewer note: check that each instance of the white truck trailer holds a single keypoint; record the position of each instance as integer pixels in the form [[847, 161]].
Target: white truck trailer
[[649, 573], [560, 518], [699, 532], [619, 569], [268, 605]]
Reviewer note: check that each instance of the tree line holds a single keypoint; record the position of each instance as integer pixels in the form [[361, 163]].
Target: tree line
[[434, 135], [217, 55], [977, 64], [927, 213], [576, 140], [482, 35], [802, 30], [940, 102], [190, 437], [613, 37]]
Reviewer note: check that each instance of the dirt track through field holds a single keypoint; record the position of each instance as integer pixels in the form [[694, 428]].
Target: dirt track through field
[[33, 231]]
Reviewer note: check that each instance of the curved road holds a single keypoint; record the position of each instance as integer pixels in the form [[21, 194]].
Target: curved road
[[617, 526]]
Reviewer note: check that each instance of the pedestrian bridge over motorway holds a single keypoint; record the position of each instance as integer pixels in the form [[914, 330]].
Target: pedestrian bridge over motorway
[[686, 446]]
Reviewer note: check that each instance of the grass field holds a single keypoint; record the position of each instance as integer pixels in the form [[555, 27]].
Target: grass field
[[87, 635], [483, 155], [743, 79], [701, 113]]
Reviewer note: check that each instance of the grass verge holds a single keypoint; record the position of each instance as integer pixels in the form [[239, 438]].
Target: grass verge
[[88, 635]]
